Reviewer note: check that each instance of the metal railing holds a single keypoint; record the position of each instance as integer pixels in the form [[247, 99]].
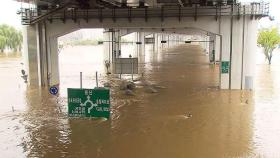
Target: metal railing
[[31, 16]]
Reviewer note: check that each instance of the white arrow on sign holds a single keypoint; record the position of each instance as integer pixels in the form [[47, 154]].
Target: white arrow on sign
[[90, 102]]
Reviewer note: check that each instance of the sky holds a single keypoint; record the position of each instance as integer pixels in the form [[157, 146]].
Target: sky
[[8, 9]]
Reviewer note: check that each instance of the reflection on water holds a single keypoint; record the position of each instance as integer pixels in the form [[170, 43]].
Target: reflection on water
[[266, 114], [188, 117]]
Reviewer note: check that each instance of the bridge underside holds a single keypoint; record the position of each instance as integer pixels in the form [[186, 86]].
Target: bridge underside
[[230, 29]]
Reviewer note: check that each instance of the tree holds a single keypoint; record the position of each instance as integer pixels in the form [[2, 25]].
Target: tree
[[2, 43], [269, 39], [10, 38]]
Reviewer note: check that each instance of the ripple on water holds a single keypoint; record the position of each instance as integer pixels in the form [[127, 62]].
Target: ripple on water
[[188, 117]]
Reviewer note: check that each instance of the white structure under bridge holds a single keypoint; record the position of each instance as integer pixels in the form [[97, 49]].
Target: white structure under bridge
[[227, 27]]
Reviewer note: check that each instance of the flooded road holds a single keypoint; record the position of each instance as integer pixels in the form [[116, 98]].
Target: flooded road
[[187, 117]]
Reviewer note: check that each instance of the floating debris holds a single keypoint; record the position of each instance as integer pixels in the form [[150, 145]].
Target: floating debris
[[151, 90], [127, 85], [107, 84], [129, 92], [159, 87], [187, 115]]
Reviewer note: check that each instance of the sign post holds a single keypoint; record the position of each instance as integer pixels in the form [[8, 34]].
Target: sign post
[[89, 102], [81, 80]]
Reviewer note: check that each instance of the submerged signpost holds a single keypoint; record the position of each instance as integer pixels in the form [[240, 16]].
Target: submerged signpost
[[126, 66], [89, 102]]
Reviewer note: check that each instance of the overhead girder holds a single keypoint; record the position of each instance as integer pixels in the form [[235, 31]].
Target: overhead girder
[[87, 4], [197, 2], [183, 31], [116, 9]]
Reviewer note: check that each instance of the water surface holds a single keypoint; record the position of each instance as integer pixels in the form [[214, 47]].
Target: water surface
[[188, 117]]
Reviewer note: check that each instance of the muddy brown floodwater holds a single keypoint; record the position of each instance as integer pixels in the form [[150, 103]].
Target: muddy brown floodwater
[[187, 117]]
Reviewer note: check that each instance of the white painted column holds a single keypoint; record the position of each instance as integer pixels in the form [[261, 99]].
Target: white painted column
[[236, 54], [53, 66], [160, 39], [250, 47], [30, 55], [107, 48], [168, 40], [207, 44], [164, 38], [244, 45], [225, 54], [42, 54], [211, 49], [116, 43], [142, 39], [155, 42], [119, 39], [217, 45], [140, 48]]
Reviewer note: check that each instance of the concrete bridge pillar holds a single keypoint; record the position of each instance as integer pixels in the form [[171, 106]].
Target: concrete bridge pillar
[[168, 40], [212, 50], [239, 43], [155, 45], [140, 43], [53, 62], [30, 54], [172, 40], [225, 56], [178, 39], [248, 53], [164, 37], [161, 38], [117, 44], [111, 45], [217, 47], [35, 54], [206, 44], [107, 46]]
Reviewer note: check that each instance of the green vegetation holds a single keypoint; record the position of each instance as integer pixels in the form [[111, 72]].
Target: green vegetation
[[269, 39], [10, 38]]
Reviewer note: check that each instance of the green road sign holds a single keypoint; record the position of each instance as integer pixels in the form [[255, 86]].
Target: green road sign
[[89, 102], [225, 67]]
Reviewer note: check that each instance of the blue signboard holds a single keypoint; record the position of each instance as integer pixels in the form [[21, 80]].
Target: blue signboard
[[53, 90]]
